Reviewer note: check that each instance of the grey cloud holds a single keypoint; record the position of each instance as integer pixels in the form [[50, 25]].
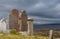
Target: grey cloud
[[47, 11]]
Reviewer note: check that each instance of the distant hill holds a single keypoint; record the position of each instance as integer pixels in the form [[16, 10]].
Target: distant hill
[[47, 26]]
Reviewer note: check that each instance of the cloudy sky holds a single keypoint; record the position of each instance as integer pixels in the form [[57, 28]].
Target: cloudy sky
[[42, 11]]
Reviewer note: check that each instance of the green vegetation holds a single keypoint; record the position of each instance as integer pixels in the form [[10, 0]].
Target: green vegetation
[[10, 36], [13, 31], [15, 35]]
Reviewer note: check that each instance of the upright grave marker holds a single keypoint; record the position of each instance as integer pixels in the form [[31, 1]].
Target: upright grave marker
[[51, 34]]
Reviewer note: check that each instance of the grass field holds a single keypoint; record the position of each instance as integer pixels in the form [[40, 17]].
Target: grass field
[[15, 35], [12, 36]]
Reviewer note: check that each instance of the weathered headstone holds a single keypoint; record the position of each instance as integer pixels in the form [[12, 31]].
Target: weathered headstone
[[51, 34], [57, 38], [3, 26], [13, 19], [23, 21], [30, 26]]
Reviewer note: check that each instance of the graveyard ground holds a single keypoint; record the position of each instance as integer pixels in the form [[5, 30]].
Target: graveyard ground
[[15, 35], [19, 36], [12, 36]]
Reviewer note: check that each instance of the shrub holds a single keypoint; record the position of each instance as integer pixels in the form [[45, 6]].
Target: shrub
[[13, 31]]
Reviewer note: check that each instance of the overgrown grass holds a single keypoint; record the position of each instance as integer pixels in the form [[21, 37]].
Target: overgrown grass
[[15, 35], [12, 36]]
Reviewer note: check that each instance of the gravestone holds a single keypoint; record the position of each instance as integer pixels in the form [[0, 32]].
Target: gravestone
[[57, 38], [51, 34], [13, 19]]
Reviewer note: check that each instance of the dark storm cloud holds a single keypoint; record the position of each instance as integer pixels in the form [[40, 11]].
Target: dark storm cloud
[[6, 6], [46, 9], [42, 11]]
